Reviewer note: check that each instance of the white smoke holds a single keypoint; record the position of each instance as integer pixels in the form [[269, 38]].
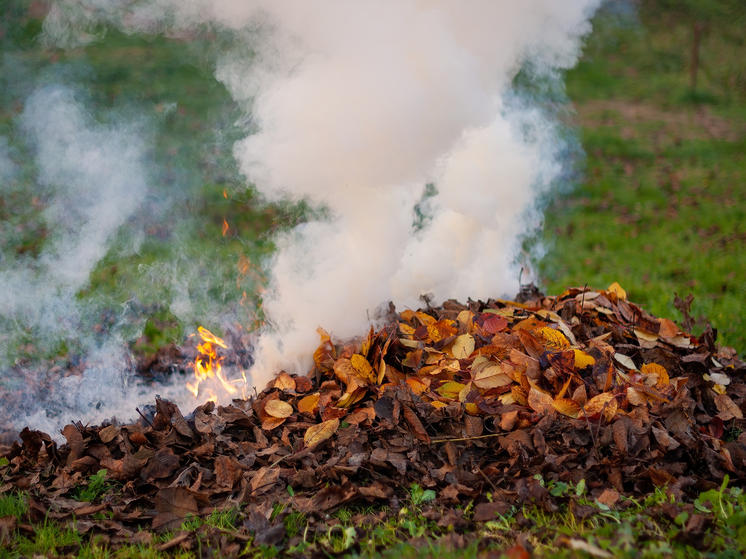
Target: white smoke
[[93, 178], [356, 106]]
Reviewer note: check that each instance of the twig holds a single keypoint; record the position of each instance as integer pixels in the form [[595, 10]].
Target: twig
[[466, 438], [145, 418], [488, 480]]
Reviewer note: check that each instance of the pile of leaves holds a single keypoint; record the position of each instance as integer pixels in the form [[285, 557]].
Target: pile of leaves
[[474, 402]]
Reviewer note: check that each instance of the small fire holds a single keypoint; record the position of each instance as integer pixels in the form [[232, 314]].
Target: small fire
[[225, 227], [208, 369]]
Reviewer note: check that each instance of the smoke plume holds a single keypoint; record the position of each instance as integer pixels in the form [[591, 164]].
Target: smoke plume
[[356, 107]]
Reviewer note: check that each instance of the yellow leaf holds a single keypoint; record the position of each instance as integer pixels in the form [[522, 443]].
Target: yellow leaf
[[463, 346], [583, 360], [602, 403], [437, 404], [406, 329], [363, 367], [464, 393], [278, 408], [350, 398], [554, 338], [450, 389], [540, 401], [567, 407], [471, 408], [617, 290], [464, 318], [309, 404], [657, 371], [316, 434]]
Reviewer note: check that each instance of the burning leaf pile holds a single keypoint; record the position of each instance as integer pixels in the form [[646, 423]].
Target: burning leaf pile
[[464, 400]]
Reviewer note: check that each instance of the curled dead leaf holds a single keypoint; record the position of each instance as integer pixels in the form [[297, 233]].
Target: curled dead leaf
[[319, 433]]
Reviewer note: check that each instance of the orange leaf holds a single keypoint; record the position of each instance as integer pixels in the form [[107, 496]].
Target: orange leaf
[[657, 371], [416, 385], [567, 407], [309, 404], [316, 434], [278, 408], [604, 402], [323, 357]]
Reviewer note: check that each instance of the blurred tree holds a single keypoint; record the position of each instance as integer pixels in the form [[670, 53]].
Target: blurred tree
[[702, 16]]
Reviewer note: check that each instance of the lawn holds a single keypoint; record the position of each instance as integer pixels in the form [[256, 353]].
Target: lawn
[[660, 206]]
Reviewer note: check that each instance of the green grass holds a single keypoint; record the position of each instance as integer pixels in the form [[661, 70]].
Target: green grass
[[654, 526], [660, 207]]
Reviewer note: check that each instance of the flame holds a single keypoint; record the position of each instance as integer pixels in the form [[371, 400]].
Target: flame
[[225, 227], [208, 365], [225, 194]]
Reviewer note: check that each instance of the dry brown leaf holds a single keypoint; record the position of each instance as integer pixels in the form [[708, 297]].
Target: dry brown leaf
[[319, 433], [284, 382], [491, 376], [727, 408], [540, 401], [278, 408], [463, 346]]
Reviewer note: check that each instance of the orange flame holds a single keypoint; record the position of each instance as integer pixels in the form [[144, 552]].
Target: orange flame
[[225, 227], [208, 365]]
